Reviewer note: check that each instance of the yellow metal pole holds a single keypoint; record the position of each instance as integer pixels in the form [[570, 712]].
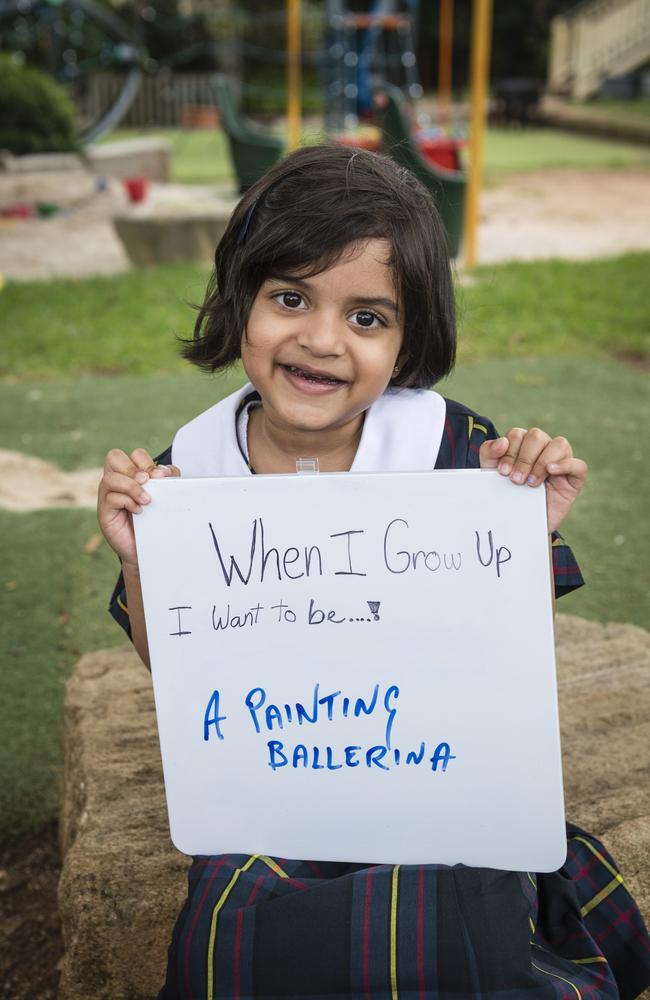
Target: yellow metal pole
[[445, 44], [293, 73], [480, 70]]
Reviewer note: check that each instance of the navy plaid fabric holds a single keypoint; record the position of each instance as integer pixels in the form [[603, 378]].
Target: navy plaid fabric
[[258, 927]]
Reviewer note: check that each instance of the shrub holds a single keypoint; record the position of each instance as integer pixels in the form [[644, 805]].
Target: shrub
[[36, 115]]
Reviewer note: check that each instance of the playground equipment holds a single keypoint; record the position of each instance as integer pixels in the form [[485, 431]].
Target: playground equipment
[[447, 187], [253, 149], [360, 46], [81, 37], [479, 78]]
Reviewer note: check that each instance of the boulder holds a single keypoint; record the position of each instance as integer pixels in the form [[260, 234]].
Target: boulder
[[139, 157], [123, 883], [172, 238]]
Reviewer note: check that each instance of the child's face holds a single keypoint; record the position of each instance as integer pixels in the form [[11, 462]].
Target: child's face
[[321, 350]]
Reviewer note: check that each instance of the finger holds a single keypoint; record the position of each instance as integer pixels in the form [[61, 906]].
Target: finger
[[491, 451], [142, 460], [121, 501], [530, 448], [115, 482], [160, 471], [118, 461], [557, 451], [573, 468], [514, 438]]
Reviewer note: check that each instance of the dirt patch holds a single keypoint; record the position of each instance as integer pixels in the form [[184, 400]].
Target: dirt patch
[[29, 922], [572, 214], [552, 213], [28, 483]]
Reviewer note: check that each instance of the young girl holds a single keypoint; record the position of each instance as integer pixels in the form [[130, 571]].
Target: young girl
[[333, 286]]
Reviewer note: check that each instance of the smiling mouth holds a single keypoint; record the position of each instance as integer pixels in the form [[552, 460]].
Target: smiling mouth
[[312, 376]]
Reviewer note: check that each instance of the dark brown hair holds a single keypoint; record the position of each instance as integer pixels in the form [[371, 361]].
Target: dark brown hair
[[299, 218]]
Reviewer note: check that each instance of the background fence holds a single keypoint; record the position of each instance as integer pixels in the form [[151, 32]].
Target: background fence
[[166, 99]]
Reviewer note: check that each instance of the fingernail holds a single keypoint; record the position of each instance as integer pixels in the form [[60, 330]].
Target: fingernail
[[144, 498], [531, 480], [505, 469], [553, 467], [518, 477], [141, 477]]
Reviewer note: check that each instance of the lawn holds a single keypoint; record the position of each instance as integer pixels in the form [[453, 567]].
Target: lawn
[[92, 364], [130, 323], [609, 107], [511, 151], [198, 156]]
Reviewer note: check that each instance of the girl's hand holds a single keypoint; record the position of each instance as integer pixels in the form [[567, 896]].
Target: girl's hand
[[532, 457], [121, 494]]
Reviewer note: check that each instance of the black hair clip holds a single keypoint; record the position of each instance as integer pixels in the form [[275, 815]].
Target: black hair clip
[[246, 223]]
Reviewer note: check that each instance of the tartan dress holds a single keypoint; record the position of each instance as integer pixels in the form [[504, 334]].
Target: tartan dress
[[255, 926]]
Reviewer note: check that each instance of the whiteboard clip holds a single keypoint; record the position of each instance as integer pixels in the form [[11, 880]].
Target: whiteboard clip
[[307, 466]]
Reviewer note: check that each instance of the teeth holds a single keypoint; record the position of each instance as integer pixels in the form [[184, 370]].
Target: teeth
[[312, 376]]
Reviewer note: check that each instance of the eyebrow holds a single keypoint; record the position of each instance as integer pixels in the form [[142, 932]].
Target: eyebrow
[[366, 300]]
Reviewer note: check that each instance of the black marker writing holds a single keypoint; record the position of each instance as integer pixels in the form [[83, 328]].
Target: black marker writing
[[349, 571], [291, 563], [178, 609], [503, 555]]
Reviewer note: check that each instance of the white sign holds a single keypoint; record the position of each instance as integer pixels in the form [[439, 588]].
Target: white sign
[[355, 667]]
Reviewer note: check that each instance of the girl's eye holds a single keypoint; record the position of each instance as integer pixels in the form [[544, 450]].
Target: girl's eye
[[367, 319], [290, 300]]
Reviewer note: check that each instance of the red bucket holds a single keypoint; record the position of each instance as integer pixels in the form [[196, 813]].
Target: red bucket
[[136, 188]]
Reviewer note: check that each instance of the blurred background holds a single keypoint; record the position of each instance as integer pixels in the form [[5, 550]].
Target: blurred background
[[127, 133]]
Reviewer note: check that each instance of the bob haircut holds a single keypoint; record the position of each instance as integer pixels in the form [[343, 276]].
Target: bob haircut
[[300, 218]]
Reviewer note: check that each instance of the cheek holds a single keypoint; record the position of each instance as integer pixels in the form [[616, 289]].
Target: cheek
[[257, 353], [381, 360]]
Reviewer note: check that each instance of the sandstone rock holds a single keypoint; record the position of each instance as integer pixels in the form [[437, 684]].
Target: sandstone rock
[[148, 157], [123, 882], [151, 240]]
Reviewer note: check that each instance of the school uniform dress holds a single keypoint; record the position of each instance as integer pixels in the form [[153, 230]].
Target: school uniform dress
[[255, 926]]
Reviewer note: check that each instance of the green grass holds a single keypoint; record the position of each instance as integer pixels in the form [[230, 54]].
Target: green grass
[[620, 110], [129, 323], [510, 151], [119, 324], [202, 157], [543, 333], [557, 307], [198, 156], [53, 600]]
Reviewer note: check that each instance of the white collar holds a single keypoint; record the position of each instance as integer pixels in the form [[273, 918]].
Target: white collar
[[401, 432]]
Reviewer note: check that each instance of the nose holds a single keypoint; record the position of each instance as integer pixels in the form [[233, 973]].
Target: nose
[[322, 333]]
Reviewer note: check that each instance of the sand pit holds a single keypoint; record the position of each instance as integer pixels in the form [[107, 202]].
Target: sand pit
[[573, 214], [28, 483], [566, 213]]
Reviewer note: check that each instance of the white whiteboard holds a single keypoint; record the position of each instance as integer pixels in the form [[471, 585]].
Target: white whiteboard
[[355, 667]]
